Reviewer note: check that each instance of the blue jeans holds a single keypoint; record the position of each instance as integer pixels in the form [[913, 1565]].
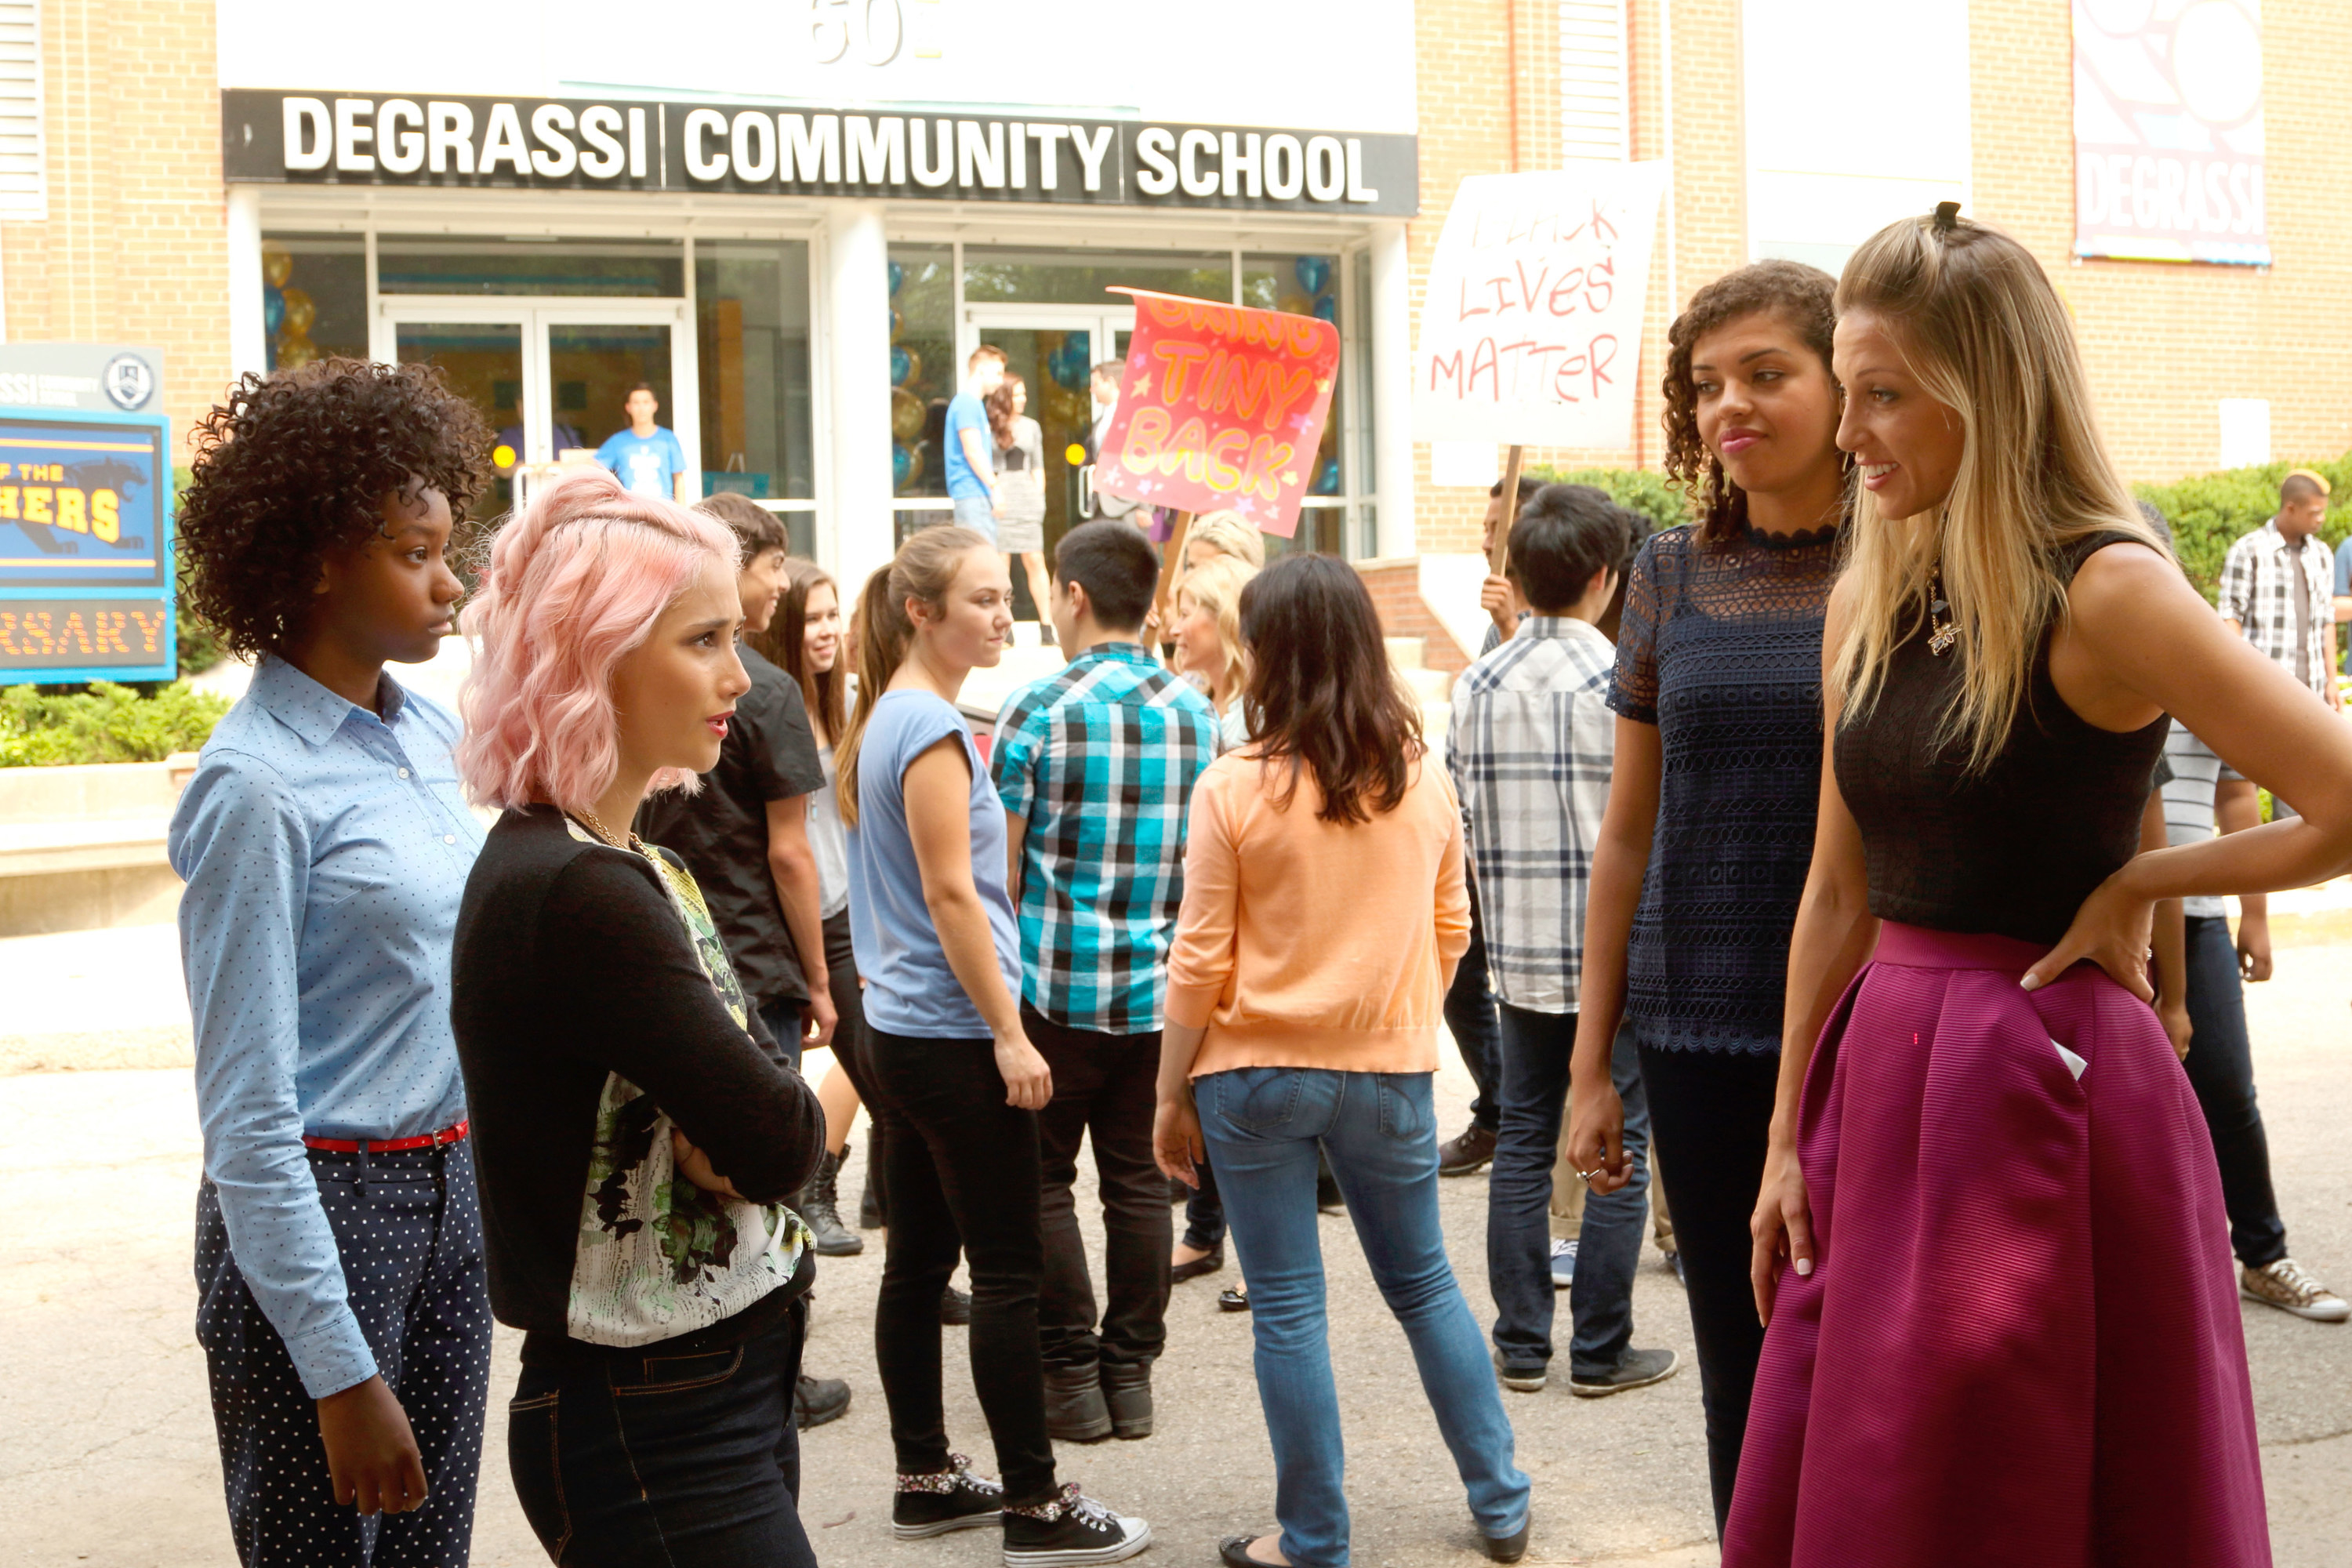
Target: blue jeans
[[977, 513], [2220, 1068], [638, 1460], [1534, 1092], [783, 1016], [1380, 1130]]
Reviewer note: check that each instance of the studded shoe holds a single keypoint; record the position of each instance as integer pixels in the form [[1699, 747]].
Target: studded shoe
[[1070, 1530], [944, 1500]]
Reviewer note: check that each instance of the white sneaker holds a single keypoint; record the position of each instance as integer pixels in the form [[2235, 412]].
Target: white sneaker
[[2290, 1288], [1563, 1262]]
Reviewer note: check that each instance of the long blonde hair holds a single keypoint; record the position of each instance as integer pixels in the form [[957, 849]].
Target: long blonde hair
[[1987, 336], [1216, 587], [1228, 533], [924, 569]]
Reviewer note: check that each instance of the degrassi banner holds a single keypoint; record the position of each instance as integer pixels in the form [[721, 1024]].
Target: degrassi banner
[[2169, 131], [84, 547], [1221, 408]]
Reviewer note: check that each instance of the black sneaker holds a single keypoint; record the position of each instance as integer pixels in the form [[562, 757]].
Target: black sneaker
[[955, 1307], [817, 1400], [952, 1499], [1468, 1155], [1635, 1369], [1068, 1531]]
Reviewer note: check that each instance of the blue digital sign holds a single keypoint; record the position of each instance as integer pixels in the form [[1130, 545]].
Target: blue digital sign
[[85, 546]]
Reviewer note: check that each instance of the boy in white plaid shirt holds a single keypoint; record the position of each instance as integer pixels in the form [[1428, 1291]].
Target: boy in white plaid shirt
[[1530, 748], [2275, 586]]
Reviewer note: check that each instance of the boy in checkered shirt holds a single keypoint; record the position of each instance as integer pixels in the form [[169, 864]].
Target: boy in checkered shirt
[[1095, 765]]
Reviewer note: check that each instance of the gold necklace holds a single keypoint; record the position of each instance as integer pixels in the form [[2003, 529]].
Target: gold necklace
[[1943, 633], [589, 820]]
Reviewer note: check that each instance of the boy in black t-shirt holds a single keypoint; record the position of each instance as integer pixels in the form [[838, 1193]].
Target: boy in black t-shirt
[[744, 835]]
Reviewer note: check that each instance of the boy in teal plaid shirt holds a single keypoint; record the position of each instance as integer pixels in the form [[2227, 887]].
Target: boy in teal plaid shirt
[[1096, 766]]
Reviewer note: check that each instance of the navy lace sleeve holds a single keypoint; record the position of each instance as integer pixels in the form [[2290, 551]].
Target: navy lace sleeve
[[1722, 651], [1634, 689]]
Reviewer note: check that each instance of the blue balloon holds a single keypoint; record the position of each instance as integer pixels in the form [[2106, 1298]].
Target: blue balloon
[[273, 308], [902, 465], [1327, 479], [902, 366], [1314, 272], [1328, 309], [897, 276]]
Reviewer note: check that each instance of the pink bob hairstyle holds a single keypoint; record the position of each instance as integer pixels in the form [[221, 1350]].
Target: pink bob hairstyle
[[574, 583]]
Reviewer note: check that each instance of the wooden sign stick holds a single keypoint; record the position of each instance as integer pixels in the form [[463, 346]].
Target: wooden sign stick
[[1499, 558], [1170, 557]]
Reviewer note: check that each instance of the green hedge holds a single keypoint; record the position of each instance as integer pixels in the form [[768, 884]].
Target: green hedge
[[2209, 512], [1651, 494], [106, 723]]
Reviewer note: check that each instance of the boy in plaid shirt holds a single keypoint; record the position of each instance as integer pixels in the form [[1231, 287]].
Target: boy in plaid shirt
[[1096, 766], [1531, 747]]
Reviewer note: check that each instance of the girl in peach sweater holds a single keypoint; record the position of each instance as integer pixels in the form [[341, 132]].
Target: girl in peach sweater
[[1324, 912]]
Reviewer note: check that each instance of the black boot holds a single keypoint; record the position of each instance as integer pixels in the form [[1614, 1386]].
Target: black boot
[[816, 1204], [1075, 1410], [1127, 1389], [817, 1400]]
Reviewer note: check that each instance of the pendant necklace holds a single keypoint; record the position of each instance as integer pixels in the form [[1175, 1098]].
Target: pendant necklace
[[1943, 632]]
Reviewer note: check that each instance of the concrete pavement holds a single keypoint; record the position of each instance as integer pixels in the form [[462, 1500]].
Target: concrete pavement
[[105, 1449]]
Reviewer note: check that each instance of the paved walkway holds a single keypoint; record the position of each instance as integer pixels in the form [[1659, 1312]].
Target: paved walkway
[[107, 1457]]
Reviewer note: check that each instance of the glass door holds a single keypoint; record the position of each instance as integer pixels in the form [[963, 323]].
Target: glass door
[[553, 378], [1054, 350]]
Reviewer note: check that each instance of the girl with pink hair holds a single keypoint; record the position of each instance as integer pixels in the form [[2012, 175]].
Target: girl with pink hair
[[637, 1129]]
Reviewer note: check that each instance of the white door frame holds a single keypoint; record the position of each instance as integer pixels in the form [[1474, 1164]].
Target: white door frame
[[534, 314]]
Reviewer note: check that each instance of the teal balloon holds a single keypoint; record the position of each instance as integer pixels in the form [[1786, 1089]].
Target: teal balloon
[[1327, 479], [1314, 273], [1327, 309], [897, 276], [273, 308], [902, 366], [902, 465]]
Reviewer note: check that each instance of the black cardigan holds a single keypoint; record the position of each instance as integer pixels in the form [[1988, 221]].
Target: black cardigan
[[571, 963]]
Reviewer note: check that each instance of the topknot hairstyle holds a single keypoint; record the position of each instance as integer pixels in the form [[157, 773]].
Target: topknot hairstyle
[[574, 583], [1800, 296], [296, 465]]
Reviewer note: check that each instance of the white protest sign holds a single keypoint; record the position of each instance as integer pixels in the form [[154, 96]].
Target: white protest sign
[[1531, 328]]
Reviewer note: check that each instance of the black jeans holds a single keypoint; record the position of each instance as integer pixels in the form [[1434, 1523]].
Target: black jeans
[[409, 1233], [1470, 1018], [1533, 1095], [2221, 1066], [964, 1173], [1710, 1118], [850, 1047], [647, 1460], [1104, 1085]]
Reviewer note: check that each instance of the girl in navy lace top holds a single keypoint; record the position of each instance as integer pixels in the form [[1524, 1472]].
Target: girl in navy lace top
[[1703, 853]]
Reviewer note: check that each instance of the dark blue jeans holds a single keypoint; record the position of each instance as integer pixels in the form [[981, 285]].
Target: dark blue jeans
[[409, 1233], [1262, 1125], [1469, 1013], [647, 1460], [1534, 1094], [2221, 1066]]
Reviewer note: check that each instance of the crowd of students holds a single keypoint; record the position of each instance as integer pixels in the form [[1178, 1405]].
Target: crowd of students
[[1816, 845]]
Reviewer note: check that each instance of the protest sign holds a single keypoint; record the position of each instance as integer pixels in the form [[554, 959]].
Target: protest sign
[[1221, 408], [1531, 326]]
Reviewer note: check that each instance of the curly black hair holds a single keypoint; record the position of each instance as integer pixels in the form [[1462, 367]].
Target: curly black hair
[[296, 464], [1801, 295]]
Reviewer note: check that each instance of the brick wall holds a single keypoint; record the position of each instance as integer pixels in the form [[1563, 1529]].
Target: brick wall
[[2164, 343], [134, 248], [1395, 586]]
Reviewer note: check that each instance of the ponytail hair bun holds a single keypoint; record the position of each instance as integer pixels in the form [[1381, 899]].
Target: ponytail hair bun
[[574, 583]]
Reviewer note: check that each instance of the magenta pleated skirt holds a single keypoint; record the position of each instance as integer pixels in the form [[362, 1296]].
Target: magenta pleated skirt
[[2020, 1341]]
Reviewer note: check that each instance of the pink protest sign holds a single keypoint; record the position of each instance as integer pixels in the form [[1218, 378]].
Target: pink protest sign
[[1221, 408]]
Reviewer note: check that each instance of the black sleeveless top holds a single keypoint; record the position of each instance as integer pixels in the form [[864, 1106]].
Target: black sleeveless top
[[2012, 850]]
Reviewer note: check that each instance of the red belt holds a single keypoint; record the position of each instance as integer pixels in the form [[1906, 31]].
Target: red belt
[[389, 1145]]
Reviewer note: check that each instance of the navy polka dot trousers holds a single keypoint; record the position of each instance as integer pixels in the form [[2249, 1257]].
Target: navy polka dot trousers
[[409, 1231]]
